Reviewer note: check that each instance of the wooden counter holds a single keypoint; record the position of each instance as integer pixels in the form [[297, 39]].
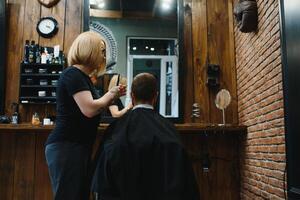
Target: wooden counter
[[182, 128], [24, 173]]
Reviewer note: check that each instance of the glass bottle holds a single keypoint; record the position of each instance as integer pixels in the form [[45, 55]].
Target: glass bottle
[[32, 52], [47, 56], [26, 52], [15, 115], [37, 54], [35, 119]]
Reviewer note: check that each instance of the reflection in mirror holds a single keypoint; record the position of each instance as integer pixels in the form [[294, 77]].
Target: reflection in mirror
[[158, 57], [140, 36], [105, 83]]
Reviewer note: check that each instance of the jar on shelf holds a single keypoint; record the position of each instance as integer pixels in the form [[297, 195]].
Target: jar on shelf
[[35, 119]]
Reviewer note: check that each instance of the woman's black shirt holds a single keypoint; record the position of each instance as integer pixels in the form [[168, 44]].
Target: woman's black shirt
[[71, 124]]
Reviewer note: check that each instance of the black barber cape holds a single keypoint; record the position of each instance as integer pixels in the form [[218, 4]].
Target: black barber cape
[[141, 158]]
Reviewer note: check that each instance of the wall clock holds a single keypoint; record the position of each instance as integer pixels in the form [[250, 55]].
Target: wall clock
[[48, 3], [47, 27]]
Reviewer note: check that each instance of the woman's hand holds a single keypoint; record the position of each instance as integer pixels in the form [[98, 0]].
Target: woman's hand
[[129, 106], [91, 107], [117, 91]]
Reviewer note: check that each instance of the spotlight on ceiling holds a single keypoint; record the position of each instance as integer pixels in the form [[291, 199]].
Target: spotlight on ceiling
[[101, 4], [92, 2], [166, 4], [152, 49]]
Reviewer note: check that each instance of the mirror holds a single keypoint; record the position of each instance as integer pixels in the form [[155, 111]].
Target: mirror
[[140, 36], [222, 101]]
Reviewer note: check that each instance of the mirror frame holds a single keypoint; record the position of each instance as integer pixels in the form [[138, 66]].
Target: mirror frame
[[289, 31], [181, 58]]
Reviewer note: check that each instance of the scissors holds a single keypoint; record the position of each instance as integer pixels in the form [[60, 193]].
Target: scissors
[[118, 80]]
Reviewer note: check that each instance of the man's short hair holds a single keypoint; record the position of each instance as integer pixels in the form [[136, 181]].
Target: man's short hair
[[144, 87]]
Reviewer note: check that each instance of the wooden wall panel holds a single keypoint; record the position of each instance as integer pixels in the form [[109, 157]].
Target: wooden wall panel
[[16, 13], [232, 71], [212, 42], [73, 21], [188, 97], [7, 166], [24, 166], [220, 53], [221, 180], [32, 16], [57, 12], [200, 58], [24, 173]]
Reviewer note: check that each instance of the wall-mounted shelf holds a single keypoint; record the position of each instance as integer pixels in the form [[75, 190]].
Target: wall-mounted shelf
[[38, 83], [39, 74], [38, 86]]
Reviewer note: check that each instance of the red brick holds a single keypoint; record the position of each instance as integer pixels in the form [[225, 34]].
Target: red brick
[[260, 106]]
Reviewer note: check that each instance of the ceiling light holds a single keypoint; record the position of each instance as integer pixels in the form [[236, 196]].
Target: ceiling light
[[134, 48], [152, 49], [93, 2], [101, 5], [166, 6], [146, 47]]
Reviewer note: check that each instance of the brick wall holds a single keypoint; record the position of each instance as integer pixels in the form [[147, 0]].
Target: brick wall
[[260, 106]]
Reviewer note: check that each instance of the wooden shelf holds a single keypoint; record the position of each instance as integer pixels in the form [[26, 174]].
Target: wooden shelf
[[38, 100], [39, 74], [35, 98], [38, 86], [210, 128], [28, 92], [41, 64]]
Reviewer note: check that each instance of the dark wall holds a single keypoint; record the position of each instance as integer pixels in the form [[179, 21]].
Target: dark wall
[[2, 53], [290, 35]]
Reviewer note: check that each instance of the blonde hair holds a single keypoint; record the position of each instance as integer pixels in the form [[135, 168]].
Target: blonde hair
[[88, 49], [114, 79]]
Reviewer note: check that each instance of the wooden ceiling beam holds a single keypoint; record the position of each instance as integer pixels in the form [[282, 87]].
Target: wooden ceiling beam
[[106, 13]]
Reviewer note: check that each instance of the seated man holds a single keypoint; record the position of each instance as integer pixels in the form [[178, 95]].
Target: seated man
[[141, 157]]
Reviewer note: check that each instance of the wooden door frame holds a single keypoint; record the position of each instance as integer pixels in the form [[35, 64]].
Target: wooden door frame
[[291, 86]]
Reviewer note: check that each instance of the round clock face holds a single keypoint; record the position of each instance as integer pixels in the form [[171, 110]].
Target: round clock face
[[47, 27]]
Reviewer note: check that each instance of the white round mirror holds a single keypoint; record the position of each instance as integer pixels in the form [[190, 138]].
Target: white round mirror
[[223, 99]]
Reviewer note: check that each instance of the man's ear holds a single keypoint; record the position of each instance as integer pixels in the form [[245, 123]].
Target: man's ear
[[155, 98], [132, 98]]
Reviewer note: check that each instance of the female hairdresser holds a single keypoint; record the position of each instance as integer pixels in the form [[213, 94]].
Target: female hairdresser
[[68, 147]]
